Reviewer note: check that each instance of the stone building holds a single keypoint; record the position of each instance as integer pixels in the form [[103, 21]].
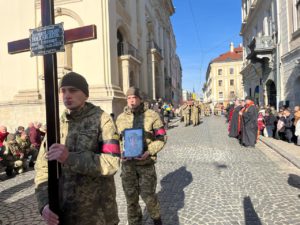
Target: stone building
[[223, 79], [290, 52], [271, 36], [135, 45]]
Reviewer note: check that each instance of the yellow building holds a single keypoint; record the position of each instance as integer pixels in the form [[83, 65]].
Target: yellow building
[[223, 78]]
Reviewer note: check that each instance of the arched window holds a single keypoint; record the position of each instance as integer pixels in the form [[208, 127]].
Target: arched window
[[120, 46], [131, 79]]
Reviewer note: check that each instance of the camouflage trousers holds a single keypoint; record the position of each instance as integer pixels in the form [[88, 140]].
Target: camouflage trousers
[[187, 119], [95, 205], [195, 118], [139, 180]]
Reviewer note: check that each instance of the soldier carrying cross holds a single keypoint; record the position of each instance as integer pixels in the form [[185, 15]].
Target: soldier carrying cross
[[74, 171]]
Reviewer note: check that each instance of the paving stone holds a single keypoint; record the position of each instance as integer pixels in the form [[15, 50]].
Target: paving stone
[[204, 177]]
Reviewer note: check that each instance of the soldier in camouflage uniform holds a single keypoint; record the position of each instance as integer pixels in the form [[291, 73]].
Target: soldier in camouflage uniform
[[195, 114], [14, 159], [26, 148], [138, 174], [89, 154], [186, 112]]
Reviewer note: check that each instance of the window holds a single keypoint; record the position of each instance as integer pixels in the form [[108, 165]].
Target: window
[[231, 82], [231, 71], [219, 71], [220, 83], [220, 94]]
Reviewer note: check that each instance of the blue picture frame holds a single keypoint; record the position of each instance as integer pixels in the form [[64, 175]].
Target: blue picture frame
[[133, 143]]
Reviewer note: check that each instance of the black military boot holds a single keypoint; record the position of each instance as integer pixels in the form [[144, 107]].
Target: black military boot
[[157, 221]]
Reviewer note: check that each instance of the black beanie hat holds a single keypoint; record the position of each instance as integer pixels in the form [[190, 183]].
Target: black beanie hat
[[75, 80], [133, 91]]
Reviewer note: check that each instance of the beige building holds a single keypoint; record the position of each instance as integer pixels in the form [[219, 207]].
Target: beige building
[[261, 70], [223, 79], [135, 45], [271, 30], [290, 51]]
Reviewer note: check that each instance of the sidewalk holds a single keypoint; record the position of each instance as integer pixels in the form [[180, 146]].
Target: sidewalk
[[290, 151]]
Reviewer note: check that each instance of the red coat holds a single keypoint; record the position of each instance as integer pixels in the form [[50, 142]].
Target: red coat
[[2, 138], [230, 117], [260, 121]]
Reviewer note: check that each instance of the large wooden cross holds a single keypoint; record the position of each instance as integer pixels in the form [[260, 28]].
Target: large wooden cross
[[51, 89]]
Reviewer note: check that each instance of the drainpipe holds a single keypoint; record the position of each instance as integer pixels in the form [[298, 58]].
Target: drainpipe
[[278, 75]]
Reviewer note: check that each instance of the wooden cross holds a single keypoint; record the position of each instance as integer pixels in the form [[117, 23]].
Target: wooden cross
[[51, 90]]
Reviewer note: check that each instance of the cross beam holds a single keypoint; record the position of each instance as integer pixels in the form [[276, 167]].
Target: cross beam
[[71, 36]]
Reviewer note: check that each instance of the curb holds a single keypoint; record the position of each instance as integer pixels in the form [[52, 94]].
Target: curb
[[283, 153]]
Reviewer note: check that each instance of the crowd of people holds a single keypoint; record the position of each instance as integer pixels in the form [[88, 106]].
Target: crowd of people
[[19, 150], [247, 120]]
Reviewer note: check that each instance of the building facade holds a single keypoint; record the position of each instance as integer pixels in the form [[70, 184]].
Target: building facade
[[271, 36], [135, 46], [223, 79], [290, 52], [261, 69]]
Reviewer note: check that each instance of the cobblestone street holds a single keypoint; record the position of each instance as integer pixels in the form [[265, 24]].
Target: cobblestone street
[[204, 178]]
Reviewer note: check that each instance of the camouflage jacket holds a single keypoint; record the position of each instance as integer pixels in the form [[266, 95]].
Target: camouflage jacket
[[94, 154], [150, 122], [24, 145]]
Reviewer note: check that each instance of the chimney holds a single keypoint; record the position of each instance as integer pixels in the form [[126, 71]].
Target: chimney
[[231, 47]]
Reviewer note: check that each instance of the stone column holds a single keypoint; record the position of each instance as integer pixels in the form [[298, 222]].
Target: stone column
[[125, 72], [153, 76]]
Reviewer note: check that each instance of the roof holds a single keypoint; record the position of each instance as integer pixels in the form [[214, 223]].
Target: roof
[[236, 55]]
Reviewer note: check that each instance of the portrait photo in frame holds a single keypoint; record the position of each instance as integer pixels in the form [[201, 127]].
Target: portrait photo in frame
[[133, 143]]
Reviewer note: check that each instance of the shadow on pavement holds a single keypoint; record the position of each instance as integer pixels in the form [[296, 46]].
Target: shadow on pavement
[[5, 194], [294, 180], [251, 217], [220, 166], [172, 194]]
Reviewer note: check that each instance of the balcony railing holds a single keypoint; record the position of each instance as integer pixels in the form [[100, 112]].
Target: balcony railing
[[125, 48], [153, 45]]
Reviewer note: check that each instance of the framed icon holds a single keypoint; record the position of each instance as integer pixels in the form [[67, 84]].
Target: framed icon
[[133, 143]]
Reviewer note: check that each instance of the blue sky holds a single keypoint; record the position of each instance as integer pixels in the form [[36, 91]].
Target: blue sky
[[204, 30]]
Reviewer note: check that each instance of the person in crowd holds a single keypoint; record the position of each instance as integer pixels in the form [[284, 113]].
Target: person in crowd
[[274, 111], [186, 112], [297, 123], [30, 125], [35, 135], [249, 125], [138, 174], [261, 122], [233, 119], [195, 113], [89, 153], [229, 108], [14, 159], [288, 125], [3, 135], [19, 130], [280, 126], [43, 130], [30, 153], [270, 121], [166, 111]]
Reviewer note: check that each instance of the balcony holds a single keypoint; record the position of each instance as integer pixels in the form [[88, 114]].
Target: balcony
[[260, 48], [125, 48]]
